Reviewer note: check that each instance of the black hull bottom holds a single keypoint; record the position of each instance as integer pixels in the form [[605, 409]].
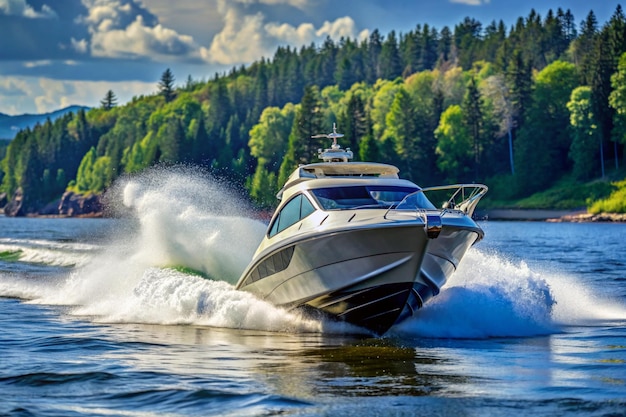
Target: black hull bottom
[[375, 308]]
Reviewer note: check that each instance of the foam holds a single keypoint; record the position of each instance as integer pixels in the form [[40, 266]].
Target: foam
[[489, 296], [181, 218]]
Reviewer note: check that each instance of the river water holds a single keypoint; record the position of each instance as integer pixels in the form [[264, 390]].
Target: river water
[[105, 317]]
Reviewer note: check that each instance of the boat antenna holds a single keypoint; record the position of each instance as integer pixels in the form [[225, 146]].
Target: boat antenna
[[335, 153], [334, 135]]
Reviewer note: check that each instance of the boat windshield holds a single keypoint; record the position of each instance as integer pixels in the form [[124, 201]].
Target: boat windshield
[[367, 196]]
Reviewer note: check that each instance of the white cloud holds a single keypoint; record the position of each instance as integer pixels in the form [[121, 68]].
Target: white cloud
[[246, 38], [81, 46], [40, 63], [137, 40], [42, 95], [471, 2], [21, 8], [300, 4], [118, 31]]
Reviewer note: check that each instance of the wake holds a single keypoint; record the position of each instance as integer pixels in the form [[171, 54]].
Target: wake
[[189, 239]]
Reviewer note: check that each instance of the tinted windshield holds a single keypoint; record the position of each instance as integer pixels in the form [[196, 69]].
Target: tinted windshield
[[374, 196]]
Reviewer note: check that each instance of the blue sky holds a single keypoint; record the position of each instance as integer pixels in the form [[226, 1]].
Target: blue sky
[[55, 53]]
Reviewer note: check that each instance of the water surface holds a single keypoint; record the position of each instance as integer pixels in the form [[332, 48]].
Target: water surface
[[111, 317]]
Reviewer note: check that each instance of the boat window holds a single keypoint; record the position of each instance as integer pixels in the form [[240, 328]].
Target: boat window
[[295, 210], [374, 196]]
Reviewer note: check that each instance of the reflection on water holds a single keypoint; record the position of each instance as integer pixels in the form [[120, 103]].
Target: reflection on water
[[305, 366]]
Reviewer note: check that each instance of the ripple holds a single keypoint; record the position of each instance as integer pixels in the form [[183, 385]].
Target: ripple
[[39, 379]]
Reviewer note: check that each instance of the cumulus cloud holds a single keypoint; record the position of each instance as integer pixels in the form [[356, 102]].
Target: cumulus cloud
[[247, 37], [471, 2], [23, 9], [300, 4], [12, 87], [124, 29], [81, 46], [42, 95]]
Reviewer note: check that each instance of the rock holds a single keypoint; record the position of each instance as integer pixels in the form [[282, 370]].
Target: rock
[[3, 200], [50, 209], [73, 204], [590, 217], [15, 207]]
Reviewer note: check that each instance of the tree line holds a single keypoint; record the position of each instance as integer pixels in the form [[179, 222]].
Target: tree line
[[517, 108]]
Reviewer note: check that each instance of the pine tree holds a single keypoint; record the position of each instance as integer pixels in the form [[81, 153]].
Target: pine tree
[[390, 58], [109, 101], [166, 86], [473, 119], [302, 148]]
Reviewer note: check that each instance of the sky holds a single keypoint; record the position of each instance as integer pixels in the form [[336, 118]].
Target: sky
[[56, 53]]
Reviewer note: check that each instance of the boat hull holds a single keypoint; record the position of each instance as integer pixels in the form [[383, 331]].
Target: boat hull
[[372, 277]]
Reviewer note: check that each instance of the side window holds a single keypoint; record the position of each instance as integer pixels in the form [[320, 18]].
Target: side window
[[306, 208], [290, 214], [295, 210]]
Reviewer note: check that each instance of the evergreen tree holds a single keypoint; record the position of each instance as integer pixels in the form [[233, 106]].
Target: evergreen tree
[[354, 122], [583, 46], [473, 119], [467, 42], [302, 147], [368, 151], [166, 86], [109, 101], [617, 100], [519, 78], [496, 90], [402, 130], [444, 46], [374, 49], [390, 63]]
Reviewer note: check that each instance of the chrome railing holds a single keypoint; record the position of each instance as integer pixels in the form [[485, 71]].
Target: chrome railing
[[460, 197]]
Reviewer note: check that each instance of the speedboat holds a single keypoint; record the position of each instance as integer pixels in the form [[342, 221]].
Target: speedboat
[[359, 244]]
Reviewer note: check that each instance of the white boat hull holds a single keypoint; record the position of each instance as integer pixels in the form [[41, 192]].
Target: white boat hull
[[372, 276]]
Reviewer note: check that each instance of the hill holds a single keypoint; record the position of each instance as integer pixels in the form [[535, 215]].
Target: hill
[[519, 110], [10, 125]]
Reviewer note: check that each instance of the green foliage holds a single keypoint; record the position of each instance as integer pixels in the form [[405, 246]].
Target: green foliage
[[302, 147], [542, 147], [454, 146], [567, 194], [586, 138], [617, 100], [92, 173], [441, 104], [615, 203]]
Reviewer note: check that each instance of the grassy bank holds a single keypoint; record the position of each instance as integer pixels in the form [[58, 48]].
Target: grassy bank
[[600, 195]]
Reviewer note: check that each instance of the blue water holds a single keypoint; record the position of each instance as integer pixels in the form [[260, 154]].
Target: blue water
[[105, 317]]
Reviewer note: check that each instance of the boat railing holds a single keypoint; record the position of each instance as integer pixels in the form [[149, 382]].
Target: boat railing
[[461, 197], [415, 206], [456, 197]]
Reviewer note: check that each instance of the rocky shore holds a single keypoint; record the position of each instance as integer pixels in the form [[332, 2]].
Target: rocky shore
[[589, 217], [69, 205], [78, 205], [552, 216]]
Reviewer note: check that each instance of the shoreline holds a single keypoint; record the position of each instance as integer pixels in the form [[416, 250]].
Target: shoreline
[[534, 215], [550, 216]]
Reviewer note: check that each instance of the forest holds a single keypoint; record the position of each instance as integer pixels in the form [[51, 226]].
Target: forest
[[520, 108]]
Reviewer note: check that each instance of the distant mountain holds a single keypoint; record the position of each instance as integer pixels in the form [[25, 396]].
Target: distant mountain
[[10, 125]]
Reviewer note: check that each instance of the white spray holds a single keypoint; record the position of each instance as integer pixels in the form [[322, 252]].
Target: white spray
[[183, 222]]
